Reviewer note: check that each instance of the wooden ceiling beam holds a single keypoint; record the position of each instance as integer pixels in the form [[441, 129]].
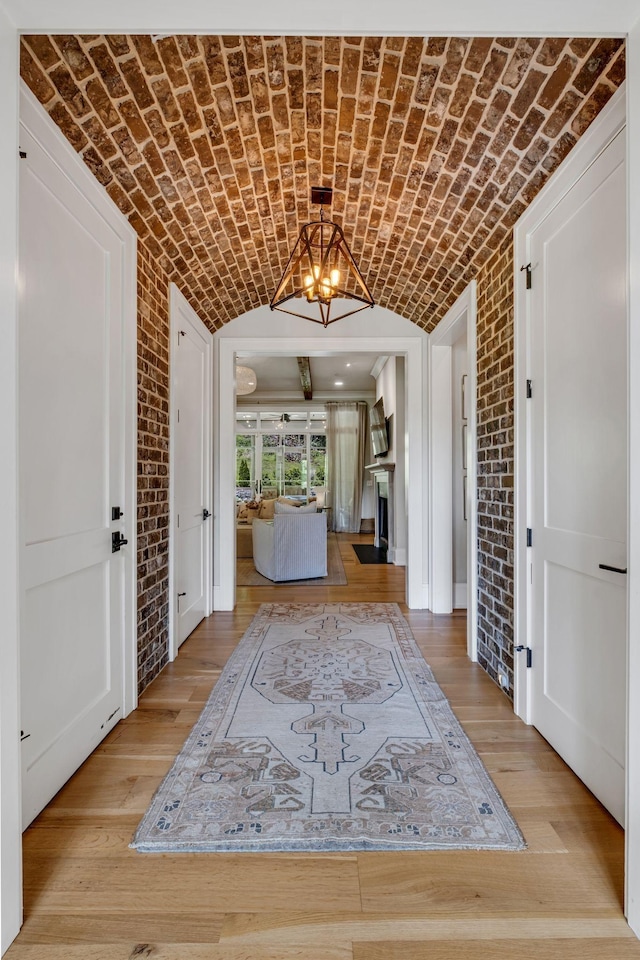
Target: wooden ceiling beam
[[305, 377]]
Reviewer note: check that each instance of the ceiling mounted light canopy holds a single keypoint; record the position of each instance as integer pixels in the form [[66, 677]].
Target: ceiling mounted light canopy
[[246, 381], [321, 272]]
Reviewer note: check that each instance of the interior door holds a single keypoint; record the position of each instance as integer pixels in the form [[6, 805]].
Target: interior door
[[72, 403], [579, 423], [191, 383]]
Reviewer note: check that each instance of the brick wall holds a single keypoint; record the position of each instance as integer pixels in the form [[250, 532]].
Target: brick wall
[[153, 467], [495, 463]]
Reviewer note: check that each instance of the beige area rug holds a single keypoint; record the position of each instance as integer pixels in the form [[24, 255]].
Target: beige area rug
[[248, 576], [327, 731]]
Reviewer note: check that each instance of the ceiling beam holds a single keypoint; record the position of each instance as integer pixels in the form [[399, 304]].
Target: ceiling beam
[[305, 377]]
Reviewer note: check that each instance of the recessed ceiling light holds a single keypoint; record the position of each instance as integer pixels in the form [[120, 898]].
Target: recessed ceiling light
[[338, 383], [347, 364]]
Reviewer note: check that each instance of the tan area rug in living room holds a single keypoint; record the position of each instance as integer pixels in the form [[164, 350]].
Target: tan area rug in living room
[[248, 576], [327, 731]]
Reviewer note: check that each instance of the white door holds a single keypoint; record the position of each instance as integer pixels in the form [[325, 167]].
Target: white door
[[579, 455], [191, 425], [72, 474]]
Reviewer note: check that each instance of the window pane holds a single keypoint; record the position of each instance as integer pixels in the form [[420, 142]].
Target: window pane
[[245, 479], [318, 470], [246, 421], [294, 440], [293, 474], [269, 477]]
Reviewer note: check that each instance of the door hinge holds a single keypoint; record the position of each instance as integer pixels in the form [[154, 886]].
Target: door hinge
[[529, 390], [520, 648], [529, 537], [527, 267]]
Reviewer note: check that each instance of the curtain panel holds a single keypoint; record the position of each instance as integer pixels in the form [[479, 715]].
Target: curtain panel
[[346, 441]]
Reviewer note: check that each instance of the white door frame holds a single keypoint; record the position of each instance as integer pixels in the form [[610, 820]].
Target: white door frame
[[603, 129], [460, 318], [181, 312], [414, 352]]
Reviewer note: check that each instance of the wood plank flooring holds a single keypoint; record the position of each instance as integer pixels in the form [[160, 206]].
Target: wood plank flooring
[[89, 897]]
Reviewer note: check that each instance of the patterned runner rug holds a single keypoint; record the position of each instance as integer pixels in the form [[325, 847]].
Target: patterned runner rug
[[327, 731]]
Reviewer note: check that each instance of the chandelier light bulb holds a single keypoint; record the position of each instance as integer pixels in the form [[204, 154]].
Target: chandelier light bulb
[[318, 265]]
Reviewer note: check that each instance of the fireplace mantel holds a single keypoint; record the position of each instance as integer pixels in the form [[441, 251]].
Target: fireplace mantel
[[380, 466]]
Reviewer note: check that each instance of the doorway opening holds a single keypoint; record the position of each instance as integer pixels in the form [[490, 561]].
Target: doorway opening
[[412, 349], [452, 462]]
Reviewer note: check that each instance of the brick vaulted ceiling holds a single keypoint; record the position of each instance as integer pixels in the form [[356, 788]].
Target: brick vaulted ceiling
[[433, 146]]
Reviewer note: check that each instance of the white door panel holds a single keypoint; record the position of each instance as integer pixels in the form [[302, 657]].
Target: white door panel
[[586, 690], [579, 503], [72, 471], [191, 401]]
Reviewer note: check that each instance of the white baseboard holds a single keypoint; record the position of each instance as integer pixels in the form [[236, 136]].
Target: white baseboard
[[400, 557], [460, 596], [222, 599], [419, 599]]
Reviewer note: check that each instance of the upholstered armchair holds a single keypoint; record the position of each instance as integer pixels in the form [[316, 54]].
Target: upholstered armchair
[[292, 546]]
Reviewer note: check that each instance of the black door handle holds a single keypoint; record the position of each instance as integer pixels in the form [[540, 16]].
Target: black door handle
[[605, 566], [205, 514], [117, 541]]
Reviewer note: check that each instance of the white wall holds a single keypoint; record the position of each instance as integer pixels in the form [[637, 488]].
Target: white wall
[[458, 368], [390, 385], [463, 18], [368, 499]]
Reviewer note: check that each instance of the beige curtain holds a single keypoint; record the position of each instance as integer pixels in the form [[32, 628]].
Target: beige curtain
[[346, 437]]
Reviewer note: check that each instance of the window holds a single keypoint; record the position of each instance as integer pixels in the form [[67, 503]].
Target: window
[[280, 454]]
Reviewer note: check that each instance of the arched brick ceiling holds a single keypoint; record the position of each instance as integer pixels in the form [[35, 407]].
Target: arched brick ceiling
[[433, 146]]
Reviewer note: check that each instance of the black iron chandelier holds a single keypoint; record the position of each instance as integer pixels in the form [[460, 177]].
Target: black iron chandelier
[[321, 271]]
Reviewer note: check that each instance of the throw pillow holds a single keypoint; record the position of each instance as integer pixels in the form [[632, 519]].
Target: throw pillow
[[288, 508], [290, 502], [265, 510], [285, 508], [252, 513]]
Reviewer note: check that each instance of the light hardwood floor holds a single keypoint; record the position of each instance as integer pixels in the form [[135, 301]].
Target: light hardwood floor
[[88, 896]]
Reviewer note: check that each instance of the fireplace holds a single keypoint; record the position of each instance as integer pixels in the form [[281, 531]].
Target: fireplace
[[382, 518], [384, 536]]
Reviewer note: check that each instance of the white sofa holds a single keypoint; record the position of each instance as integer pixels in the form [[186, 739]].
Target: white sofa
[[292, 546]]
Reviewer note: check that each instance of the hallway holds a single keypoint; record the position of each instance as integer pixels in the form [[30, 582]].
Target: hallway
[[87, 895]]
